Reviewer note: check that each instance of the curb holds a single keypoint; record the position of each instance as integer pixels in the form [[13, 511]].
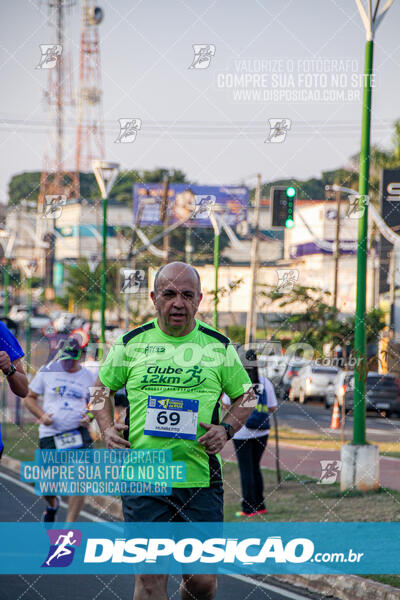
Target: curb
[[341, 587], [101, 504]]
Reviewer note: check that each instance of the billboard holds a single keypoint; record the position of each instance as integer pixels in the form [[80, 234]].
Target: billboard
[[231, 201], [390, 211]]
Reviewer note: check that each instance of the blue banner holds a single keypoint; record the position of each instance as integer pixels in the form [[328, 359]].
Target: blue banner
[[232, 202], [248, 548]]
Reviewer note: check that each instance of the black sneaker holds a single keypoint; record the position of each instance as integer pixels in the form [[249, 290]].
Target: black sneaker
[[49, 515]]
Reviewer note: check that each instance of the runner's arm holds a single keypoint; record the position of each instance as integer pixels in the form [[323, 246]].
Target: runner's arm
[[31, 402], [100, 406], [240, 409], [18, 381], [216, 436]]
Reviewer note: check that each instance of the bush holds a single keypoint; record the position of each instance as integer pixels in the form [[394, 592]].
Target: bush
[[237, 333]]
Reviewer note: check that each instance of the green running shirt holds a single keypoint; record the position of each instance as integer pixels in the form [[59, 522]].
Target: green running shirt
[[199, 366]]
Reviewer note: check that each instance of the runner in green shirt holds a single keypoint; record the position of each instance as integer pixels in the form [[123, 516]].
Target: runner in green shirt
[[175, 369]]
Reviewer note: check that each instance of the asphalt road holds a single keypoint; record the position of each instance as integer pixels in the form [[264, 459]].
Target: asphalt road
[[314, 417], [19, 503]]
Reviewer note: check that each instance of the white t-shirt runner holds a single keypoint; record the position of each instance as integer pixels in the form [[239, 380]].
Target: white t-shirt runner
[[245, 433], [65, 396]]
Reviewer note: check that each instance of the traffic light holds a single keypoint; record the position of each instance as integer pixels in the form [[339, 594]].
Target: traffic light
[[282, 206]]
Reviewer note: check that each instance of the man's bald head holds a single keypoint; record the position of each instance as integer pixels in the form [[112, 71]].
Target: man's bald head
[[174, 271], [176, 298]]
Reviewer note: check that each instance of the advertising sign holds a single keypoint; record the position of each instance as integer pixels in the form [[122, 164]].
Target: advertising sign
[[390, 210], [231, 201]]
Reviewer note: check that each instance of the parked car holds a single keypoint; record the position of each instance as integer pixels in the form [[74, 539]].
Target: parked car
[[112, 332], [19, 314], [64, 321], [312, 381], [272, 367], [292, 370], [337, 391], [382, 393]]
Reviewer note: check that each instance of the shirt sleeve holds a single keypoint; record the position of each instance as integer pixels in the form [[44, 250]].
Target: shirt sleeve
[[9, 343], [270, 391], [37, 384], [113, 373], [234, 378]]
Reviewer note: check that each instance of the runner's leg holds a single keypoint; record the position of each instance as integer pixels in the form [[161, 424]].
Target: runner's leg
[[198, 587], [151, 587], [75, 504], [258, 450], [51, 500], [245, 458]]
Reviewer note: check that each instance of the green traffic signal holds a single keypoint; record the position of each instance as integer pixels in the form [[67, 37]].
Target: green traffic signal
[[290, 192], [289, 223]]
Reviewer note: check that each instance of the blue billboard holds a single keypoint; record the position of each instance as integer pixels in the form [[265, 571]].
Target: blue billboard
[[229, 201]]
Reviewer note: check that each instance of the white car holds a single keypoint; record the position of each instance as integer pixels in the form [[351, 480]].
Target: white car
[[19, 314], [65, 320], [312, 381]]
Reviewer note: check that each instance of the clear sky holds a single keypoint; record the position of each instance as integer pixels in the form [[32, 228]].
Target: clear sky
[[193, 119]]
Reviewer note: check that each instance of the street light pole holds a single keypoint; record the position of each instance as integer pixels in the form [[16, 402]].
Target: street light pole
[[359, 427], [216, 269], [29, 267], [217, 232], [93, 262], [360, 462], [105, 173], [6, 284]]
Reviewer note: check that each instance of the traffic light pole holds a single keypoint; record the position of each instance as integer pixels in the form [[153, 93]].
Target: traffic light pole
[[251, 321], [337, 249]]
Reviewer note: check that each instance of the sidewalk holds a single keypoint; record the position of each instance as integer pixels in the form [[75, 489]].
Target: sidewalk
[[303, 460]]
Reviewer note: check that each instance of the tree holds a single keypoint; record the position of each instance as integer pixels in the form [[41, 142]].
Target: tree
[[24, 186], [319, 322], [78, 280]]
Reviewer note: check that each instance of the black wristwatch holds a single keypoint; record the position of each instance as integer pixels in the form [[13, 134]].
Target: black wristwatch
[[10, 371], [230, 432]]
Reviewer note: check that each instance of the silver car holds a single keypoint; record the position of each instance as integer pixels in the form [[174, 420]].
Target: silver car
[[313, 381], [337, 392]]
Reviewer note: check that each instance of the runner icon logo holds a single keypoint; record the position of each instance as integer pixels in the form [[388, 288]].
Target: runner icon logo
[[62, 547]]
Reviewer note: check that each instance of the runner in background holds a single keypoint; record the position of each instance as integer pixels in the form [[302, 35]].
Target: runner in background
[[63, 418], [11, 354], [251, 440]]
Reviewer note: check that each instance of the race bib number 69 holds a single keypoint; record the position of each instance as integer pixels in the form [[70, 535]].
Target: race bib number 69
[[171, 417]]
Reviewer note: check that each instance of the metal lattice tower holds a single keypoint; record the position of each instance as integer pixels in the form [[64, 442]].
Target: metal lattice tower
[[56, 179], [90, 136]]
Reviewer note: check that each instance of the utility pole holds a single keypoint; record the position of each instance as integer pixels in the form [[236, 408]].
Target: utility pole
[[165, 217], [251, 321], [337, 249]]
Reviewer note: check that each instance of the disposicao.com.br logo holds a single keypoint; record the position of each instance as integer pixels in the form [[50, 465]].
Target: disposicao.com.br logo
[[213, 550], [62, 547]]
